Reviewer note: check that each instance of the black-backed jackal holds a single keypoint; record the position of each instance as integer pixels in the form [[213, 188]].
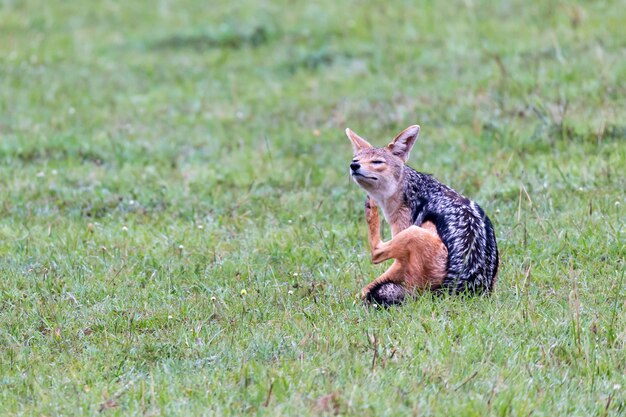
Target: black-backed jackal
[[441, 240]]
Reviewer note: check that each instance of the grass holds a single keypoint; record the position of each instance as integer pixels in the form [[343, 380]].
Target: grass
[[178, 234]]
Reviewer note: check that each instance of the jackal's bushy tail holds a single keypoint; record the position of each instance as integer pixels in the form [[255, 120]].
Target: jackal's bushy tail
[[388, 293]]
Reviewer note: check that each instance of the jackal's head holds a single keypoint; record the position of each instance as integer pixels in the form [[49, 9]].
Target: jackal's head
[[379, 170]]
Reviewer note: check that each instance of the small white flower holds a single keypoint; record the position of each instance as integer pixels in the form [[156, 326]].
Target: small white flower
[[295, 274], [181, 247], [54, 172], [170, 317], [124, 229], [40, 174], [131, 202], [200, 227], [617, 387], [244, 292], [617, 204], [71, 110], [213, 298], [290, 292]]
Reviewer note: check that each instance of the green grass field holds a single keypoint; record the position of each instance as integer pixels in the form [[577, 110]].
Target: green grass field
[[179, 235]]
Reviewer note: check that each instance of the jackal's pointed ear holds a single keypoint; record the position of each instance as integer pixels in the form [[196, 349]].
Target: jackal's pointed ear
[[403, 143], [358, 143]]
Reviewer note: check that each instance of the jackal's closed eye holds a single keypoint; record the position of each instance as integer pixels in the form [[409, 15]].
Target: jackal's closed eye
[[377, 162]]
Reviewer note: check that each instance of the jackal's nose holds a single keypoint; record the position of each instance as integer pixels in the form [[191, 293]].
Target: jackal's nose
[[354, 166]]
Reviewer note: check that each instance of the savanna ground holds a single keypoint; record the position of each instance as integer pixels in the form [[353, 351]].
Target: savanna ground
[[179, 234]]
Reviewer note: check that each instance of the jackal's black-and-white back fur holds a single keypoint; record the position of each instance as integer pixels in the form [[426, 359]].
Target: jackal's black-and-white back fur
[[464, 228]]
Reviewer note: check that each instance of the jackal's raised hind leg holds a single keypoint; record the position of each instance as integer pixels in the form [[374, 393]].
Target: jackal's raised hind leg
[[378, 249], [419, 255]]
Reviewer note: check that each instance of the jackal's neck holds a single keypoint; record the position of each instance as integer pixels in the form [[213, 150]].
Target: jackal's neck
[[395, 209]]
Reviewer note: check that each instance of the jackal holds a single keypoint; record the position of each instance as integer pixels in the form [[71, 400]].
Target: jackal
[[441, 240]]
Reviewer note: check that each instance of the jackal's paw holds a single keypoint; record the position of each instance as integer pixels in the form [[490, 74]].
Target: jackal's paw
[[365, 292], [371, 209]]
